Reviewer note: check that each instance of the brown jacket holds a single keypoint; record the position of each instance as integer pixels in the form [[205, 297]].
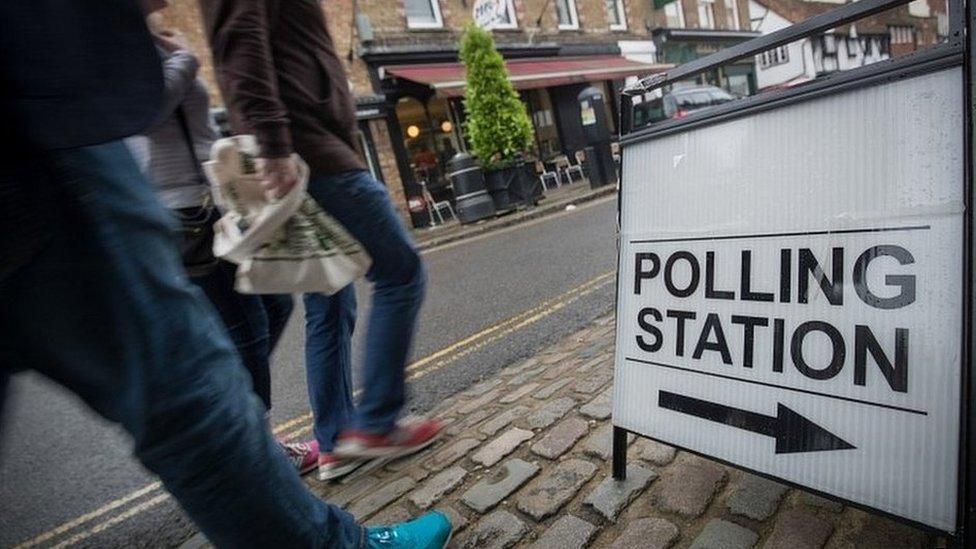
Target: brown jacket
[[282, 81]]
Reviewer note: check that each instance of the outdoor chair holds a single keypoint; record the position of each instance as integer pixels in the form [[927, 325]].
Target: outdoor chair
[[540, 168], [565, 168], [435, 207]]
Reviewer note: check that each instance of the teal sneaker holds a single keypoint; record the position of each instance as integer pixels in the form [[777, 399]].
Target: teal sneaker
[[428, 531]]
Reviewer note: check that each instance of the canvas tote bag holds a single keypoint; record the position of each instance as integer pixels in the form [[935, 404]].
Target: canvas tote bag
[[284, 245]]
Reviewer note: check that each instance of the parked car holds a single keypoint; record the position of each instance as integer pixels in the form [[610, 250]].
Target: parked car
[[679, 103]]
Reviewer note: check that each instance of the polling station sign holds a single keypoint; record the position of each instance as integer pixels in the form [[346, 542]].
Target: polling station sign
[[790, 292]]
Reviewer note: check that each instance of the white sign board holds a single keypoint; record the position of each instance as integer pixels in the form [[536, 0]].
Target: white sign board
[[489, 13], [790, 293]]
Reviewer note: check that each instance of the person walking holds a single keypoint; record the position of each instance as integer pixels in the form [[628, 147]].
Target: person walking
[[95, 297], [283, 82], [170, 153]]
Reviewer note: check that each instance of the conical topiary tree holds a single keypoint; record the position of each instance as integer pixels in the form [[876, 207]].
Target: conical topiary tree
[[497, 124]]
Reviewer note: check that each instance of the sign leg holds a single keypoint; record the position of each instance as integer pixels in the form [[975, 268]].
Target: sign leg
[[619, 453]]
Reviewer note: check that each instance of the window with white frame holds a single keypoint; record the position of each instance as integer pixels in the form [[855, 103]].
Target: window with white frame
[[506, 19], [706, 14], [902, 35], [423, 14], [616, 14], [566, 14], [674, 14], [731, 15], [773, 57]]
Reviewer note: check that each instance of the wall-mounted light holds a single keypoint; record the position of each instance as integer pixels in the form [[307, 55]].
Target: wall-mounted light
[[413, 130], [446, 126]]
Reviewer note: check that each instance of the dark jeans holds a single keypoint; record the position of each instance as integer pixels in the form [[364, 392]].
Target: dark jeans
[[254, 322], [105, 310], [362, 205]]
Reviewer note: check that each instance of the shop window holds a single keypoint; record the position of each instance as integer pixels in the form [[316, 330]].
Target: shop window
[[429, 136], [674, 15], [423, 14], [544, 121], [706, 14], [566, 14], [731, 14], [616, 14]]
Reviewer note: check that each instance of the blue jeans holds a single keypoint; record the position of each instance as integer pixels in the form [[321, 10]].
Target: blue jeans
[[105, 309], [254, 322], [362, 205]]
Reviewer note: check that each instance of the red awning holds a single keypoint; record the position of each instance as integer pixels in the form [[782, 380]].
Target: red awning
[[447, 79]]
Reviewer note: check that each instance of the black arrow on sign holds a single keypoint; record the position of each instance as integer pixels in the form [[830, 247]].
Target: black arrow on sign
[[793, 432]]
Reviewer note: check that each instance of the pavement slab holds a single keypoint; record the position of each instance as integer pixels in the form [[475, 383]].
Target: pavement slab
[[796, 529], [381, 497], [505, 444], [555, 487], [722, 534], [600, 407], [568, 532], [647, 533], [561, 438], [611, 496], [499, 530], [502, 420], [755, 497], [689, 487], [437, 486], [499, 484], [655, 452], [548, 414], [451, 453]]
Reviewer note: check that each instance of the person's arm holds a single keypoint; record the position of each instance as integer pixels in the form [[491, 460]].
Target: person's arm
[[239, 40], [238, 34], [179, 73]]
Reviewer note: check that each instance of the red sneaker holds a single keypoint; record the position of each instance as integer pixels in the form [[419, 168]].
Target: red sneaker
[[406, 439], [332, 467]]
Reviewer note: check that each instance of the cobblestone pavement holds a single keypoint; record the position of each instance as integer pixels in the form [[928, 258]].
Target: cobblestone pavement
[[525, 462]]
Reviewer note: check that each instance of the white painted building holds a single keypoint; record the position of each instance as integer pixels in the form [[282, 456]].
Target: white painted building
[[840, 49]]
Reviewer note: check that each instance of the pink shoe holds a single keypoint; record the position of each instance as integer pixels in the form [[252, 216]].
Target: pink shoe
[[405, 439], [303, 455]]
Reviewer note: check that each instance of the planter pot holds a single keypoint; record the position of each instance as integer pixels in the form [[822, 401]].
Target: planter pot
[[498, 183], [471, 198]]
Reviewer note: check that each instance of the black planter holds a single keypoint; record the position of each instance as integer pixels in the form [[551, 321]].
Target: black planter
[[471, 199], [498, 182]]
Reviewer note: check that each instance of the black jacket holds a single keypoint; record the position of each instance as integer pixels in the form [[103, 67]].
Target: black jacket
[[76, 72]]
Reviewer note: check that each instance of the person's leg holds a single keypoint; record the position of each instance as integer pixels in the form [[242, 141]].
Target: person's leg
[[329, 322], [363, 207], [278, 307], [105, 310], [246, 322]]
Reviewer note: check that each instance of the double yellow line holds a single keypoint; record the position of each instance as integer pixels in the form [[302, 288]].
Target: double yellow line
[[153, 494]]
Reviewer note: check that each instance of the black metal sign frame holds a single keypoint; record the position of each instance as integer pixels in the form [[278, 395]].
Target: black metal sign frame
[[957, 51]]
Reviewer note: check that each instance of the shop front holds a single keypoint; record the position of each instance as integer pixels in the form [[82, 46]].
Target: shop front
[[428, 115]]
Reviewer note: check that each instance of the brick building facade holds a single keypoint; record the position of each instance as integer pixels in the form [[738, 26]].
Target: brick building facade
[[401, 55]]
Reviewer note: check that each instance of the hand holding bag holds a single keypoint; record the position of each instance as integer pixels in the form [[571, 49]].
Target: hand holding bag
[[283, 245]]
